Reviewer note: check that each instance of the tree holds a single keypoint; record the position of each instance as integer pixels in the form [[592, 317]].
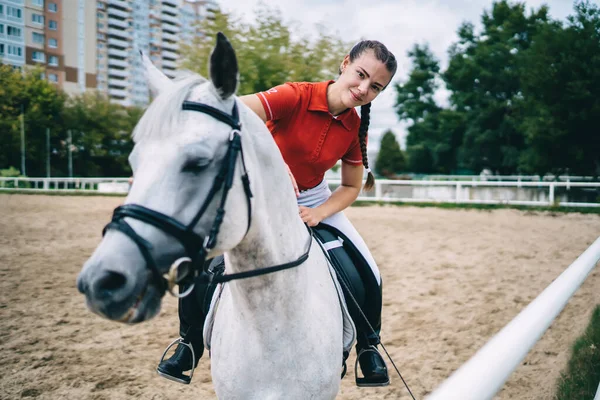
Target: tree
[[42, 104], [267, 52], [390, 159], [560, 106], [484, 77], [101, 133], [435, 133]]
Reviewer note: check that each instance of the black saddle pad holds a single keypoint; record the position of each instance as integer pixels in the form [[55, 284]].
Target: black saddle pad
[[353, 271]]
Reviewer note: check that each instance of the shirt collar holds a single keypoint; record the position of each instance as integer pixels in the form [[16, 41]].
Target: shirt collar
[[318, 102]]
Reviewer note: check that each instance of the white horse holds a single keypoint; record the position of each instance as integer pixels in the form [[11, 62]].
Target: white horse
[[275, 336]]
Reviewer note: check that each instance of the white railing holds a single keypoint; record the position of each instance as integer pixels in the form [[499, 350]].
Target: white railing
[[479, 192], [414, 191], [90, 185], [485, 373], [483, 177]]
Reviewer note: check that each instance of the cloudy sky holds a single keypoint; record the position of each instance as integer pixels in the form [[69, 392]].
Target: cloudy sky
[[399, 24]]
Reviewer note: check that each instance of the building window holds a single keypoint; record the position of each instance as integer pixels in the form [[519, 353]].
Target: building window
[[39, 3], [13, 12], [12, 31], [100, 26], [38, 56], [1, 49], [52, 7], [37, 19], [1, 28], [37, 37], [53, 78], [53, 43], [14, 50], [53, 61], [53, 25], [1, 9], [99, 15], [101, 36]]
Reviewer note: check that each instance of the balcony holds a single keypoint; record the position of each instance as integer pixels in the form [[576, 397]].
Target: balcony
[[169, 55], [168, 64], [169, 28], [120, 73], [123, 44], [113, 62], [169, 18], [120, 4], [119, 93], [170, 46], [115, 12], [117, 53], [118, 83], [172, 3], [170, 36], [119, 33], [119, 23]]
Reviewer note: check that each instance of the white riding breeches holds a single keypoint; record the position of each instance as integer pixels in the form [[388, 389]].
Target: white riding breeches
[[318, 195]]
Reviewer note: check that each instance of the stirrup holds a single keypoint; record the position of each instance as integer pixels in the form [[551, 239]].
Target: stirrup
[[365, 382], [185, 379]]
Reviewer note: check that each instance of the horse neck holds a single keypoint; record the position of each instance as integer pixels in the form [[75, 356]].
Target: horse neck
[[277, 235]]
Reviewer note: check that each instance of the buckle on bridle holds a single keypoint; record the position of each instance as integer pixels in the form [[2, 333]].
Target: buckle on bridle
[[174, 278]]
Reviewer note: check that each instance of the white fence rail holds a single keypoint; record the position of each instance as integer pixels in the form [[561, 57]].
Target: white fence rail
[[485, 373], [572, 194]]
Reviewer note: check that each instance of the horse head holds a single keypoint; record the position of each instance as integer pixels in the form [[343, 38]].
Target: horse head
[[186, 165]]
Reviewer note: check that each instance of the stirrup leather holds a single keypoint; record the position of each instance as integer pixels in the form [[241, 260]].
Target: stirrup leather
[[185, 379], [364, 382]]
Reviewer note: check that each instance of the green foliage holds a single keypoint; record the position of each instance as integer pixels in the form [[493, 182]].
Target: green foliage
[[524, 94], [560, 108], [10, 172], [100, 131], [484, 78], [42, 104], [435, 133], [583, 371], [268, 52], [390, 160]]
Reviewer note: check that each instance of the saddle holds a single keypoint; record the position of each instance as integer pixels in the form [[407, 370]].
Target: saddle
[[352, 277]]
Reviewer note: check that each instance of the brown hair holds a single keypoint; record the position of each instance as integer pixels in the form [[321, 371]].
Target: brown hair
[[385, 56]]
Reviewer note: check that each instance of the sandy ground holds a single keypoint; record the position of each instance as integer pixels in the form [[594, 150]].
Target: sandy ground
[[452, 278]]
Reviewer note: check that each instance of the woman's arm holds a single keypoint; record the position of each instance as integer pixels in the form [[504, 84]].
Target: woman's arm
[[253, 102], [341, 198]]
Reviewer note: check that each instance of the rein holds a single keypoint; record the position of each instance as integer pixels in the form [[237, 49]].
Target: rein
[[190, 269]]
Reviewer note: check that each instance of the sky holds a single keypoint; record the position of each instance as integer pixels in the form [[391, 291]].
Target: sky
[[399, 24]]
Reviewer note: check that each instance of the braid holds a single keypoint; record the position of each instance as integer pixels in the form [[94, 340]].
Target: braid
[[365, 110]]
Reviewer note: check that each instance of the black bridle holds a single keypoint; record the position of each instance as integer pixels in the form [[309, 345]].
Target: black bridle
[[190, 269]]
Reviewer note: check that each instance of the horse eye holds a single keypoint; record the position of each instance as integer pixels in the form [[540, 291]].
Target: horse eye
[[196, 165]]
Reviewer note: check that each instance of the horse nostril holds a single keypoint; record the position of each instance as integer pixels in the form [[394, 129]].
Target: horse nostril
[[109, 283]]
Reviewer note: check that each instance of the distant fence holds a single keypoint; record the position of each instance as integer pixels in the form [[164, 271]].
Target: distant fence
[[485, 373], [528, 193]]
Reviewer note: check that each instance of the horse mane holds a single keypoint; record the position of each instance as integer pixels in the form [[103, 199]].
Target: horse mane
[[164, 114]]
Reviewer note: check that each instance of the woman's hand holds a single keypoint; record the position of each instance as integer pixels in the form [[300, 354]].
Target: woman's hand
[[294, 184], [311, 216]]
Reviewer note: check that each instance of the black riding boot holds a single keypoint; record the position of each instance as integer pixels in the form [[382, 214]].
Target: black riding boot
[[192, 313], [371, 362]]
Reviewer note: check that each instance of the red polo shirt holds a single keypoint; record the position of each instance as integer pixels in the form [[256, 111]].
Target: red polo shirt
[[310, 139]]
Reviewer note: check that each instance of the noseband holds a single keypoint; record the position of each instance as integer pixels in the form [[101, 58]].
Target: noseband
[[188, 270]]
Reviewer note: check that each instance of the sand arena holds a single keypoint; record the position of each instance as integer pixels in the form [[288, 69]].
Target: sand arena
[[452, 279]]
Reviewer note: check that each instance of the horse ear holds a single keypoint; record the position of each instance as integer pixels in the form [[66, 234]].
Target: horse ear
[[157, 81], [223, 67]]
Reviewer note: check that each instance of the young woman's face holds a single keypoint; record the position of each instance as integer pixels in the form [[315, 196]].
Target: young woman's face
[[362, 80]]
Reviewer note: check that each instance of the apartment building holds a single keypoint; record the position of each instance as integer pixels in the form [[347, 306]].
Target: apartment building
[[95, 44]]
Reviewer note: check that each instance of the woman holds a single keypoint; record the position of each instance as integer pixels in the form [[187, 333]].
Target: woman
[[314, 126]]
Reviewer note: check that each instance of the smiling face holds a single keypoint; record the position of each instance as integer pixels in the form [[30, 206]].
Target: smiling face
[[362, 80]]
